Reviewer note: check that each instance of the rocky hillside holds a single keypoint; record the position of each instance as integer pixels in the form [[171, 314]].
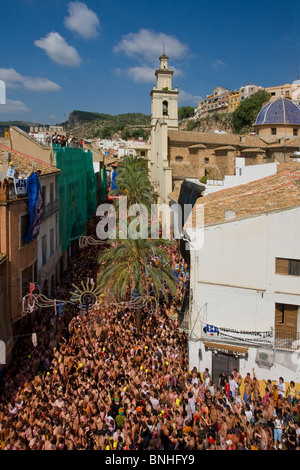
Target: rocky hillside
[[210, 123], [24, 125], [83, 124]]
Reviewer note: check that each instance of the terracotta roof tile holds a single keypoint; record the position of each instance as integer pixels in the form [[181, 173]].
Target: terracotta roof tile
[[216, 139], [26, 164], [277, 192]]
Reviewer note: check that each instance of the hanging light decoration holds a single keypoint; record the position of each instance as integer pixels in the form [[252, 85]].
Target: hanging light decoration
[[88, 240], [87, 295]]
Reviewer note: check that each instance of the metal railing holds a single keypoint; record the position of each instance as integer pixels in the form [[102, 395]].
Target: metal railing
[[50, 209], [287, 340]]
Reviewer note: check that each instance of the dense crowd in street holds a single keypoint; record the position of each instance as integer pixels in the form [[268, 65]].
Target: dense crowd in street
[[94, 382]]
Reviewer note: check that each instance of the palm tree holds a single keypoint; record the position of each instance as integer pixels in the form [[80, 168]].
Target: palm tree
[[133, 182], [134, 264]]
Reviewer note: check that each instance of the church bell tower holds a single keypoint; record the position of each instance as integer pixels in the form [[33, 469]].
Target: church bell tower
[[164, 103], [164, 117]]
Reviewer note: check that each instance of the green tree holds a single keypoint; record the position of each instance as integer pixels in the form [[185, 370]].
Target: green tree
[[129, 264], [133, 182], [186, 112], [191, 125], [245, 115], [106, 133]]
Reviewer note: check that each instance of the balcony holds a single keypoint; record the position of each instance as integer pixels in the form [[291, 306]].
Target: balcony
[[50, 208], [287, 340]]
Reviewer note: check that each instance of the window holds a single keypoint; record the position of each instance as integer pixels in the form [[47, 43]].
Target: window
[[287, 267], [44, 250], [51, 192], [23, 229], [286, 322], [44, 195], [178, 159], [294, 267], [279, 314], [51, 241], [295, 131], [26, 278], [165, 108], [273, 131], [56, 231]]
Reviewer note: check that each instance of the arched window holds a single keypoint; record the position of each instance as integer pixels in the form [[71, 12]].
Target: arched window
[[165, 108]]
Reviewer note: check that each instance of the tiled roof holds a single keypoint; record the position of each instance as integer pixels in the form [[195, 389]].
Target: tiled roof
[[216, 139], [277, 192], [174, 195], [25, 164], [280, 111], [110, 160], [293, 142], [252, 149], [183, 169]]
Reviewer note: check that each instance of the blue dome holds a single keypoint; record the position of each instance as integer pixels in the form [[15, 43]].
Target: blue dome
[[280, 111]]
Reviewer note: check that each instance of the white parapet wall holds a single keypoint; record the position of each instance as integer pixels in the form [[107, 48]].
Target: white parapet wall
[[244, 174]]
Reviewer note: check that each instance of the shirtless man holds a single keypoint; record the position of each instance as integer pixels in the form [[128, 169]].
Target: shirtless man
[[248, 387]]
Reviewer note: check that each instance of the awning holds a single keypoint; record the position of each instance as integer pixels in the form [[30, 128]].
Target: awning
[[226, 349]]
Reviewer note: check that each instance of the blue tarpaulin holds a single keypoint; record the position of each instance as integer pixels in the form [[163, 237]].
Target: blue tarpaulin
[[35, 206], [113, 180]]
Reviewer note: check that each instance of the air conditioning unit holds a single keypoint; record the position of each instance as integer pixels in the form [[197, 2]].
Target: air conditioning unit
[[264, 358]]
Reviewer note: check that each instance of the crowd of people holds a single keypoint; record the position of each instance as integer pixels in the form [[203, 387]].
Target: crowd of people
[[63, 141], [96, 382]]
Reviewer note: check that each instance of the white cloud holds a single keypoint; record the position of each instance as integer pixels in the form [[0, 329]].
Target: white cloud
[[13, 107], [217, 64], [139, 74], [13, 79], [186, 97], [59, 50], [41, 84], [149, 45], [82, 20], [142, 73]]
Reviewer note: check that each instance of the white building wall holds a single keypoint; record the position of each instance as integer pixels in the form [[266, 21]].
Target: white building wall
[[48, 224], [234, 284], [244, 174]]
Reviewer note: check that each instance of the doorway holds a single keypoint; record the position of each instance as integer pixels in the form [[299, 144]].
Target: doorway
[[223, 362]]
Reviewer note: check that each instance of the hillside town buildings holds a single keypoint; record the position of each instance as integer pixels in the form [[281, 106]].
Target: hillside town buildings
[[222, 100]]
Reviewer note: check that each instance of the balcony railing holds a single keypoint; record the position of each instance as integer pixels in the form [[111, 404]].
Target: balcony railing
[[50, 209], [287, 340]]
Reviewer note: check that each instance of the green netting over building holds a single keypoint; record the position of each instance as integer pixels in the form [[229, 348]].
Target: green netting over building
[[77, 192]]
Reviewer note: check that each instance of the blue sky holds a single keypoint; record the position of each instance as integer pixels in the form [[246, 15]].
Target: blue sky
[[101, 55]]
